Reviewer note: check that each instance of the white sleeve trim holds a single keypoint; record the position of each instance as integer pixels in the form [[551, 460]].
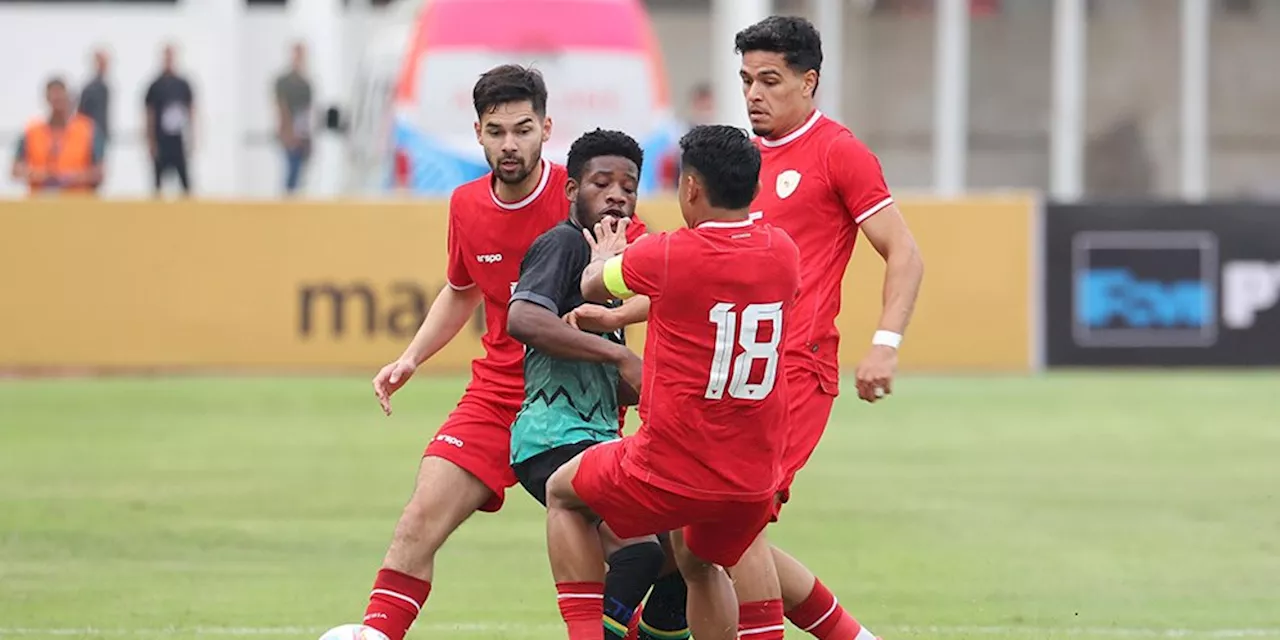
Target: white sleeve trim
[[873, 210], [457, 288]]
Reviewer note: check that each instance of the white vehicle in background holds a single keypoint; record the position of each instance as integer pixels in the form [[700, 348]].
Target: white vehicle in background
[[410, 127]]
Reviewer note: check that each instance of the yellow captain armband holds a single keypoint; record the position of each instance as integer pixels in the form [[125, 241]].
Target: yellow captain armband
[[613, 278]]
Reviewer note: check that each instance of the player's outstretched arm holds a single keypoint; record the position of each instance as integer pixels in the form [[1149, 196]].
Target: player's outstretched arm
[[449, 313], [446, 317], [541, 329], [600, 319]]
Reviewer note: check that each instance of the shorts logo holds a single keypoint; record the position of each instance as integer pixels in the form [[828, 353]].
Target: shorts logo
[[489, 258], [787, 182], [448, 439]]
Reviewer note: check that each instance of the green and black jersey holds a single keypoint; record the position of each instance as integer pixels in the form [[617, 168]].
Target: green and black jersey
[[565, 401]]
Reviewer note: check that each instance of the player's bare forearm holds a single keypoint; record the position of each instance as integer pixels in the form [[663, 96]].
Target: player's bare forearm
[[449, 313], [633, 311], [593, 287], [541, 329], [904, 268]]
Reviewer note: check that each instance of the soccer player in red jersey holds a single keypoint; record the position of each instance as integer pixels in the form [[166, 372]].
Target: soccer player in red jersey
[[706, 460], [821, 185], [492, 222]]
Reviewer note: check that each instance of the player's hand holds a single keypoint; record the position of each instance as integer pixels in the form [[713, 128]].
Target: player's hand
[[609, 238], [594, 318], [631, 370], [875, 373], [389, 380]]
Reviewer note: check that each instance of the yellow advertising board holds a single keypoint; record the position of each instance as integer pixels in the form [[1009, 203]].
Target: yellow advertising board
[[314, 286], [235, 285], [975, 307]]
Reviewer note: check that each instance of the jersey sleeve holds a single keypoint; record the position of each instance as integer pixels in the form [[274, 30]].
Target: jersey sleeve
[[636, 229], [457, 274], [857, 177], [641, 269], [552, 270]]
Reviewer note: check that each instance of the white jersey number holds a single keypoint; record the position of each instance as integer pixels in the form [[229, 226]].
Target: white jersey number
[[728, 332]]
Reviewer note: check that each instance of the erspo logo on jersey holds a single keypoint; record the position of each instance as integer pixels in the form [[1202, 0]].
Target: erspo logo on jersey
[[489, 258]]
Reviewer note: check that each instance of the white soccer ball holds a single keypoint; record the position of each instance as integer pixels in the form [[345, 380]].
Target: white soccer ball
[[353, 632]]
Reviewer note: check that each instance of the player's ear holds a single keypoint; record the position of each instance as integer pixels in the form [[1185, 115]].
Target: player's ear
[[477, 127], [571, 190], [810, 82], [546, 128]]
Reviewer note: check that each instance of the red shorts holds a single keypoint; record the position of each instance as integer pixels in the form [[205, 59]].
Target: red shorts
[[809, 410], [477, 437], [714, 530]]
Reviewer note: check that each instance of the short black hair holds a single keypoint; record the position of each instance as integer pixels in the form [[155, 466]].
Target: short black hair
[[795, 38], [727, 161], [600, 143], [509, 83]]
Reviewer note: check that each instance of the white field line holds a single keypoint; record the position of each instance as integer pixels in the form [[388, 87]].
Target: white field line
[[506, 627]]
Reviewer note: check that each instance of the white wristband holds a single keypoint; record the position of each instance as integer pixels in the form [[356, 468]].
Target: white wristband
[[887, 339]]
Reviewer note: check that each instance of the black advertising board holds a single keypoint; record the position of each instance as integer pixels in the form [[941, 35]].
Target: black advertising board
[[1148, 284]]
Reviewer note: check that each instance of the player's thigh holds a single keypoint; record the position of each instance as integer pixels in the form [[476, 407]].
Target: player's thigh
[[692, 566], [631, 508], [444, 496], [534, 473], [476, 437], [727, 530]]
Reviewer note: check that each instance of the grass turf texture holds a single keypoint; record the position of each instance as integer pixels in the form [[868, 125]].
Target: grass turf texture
[[1069, 505]]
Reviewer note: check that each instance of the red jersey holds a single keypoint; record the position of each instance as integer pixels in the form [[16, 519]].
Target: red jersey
[[487, 242], [818, 183], [713, 408]]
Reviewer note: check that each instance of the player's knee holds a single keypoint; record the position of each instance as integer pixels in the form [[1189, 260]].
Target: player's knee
[[560, 493], [690, 564]]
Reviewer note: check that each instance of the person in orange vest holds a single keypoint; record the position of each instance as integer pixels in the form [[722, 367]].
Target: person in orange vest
[[62, 153]]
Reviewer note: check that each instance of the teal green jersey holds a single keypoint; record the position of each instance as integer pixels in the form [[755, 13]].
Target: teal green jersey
[[565, 401]]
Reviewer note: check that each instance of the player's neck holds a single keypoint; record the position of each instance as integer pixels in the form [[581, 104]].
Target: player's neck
[[510, 193], [723, 216], [792, 127]]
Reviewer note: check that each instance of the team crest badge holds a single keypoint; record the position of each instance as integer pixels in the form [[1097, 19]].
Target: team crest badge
[[787, 182]]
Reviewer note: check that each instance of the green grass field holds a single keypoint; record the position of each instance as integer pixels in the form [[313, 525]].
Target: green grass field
[[1070, 505]]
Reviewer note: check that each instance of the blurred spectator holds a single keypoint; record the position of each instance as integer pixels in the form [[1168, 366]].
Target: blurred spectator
[[62, 153], [702, 105], [702, 110], [95, 98], [1117, 162], [293, 102], [170, 108]]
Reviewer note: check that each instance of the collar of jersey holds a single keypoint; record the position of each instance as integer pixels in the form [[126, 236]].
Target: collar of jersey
[[794, 135], [512, 206], [721, 224]]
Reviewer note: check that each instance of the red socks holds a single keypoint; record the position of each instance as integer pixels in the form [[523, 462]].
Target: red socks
[[760, 620], [821, 616], [582, 607], [395, 603]]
